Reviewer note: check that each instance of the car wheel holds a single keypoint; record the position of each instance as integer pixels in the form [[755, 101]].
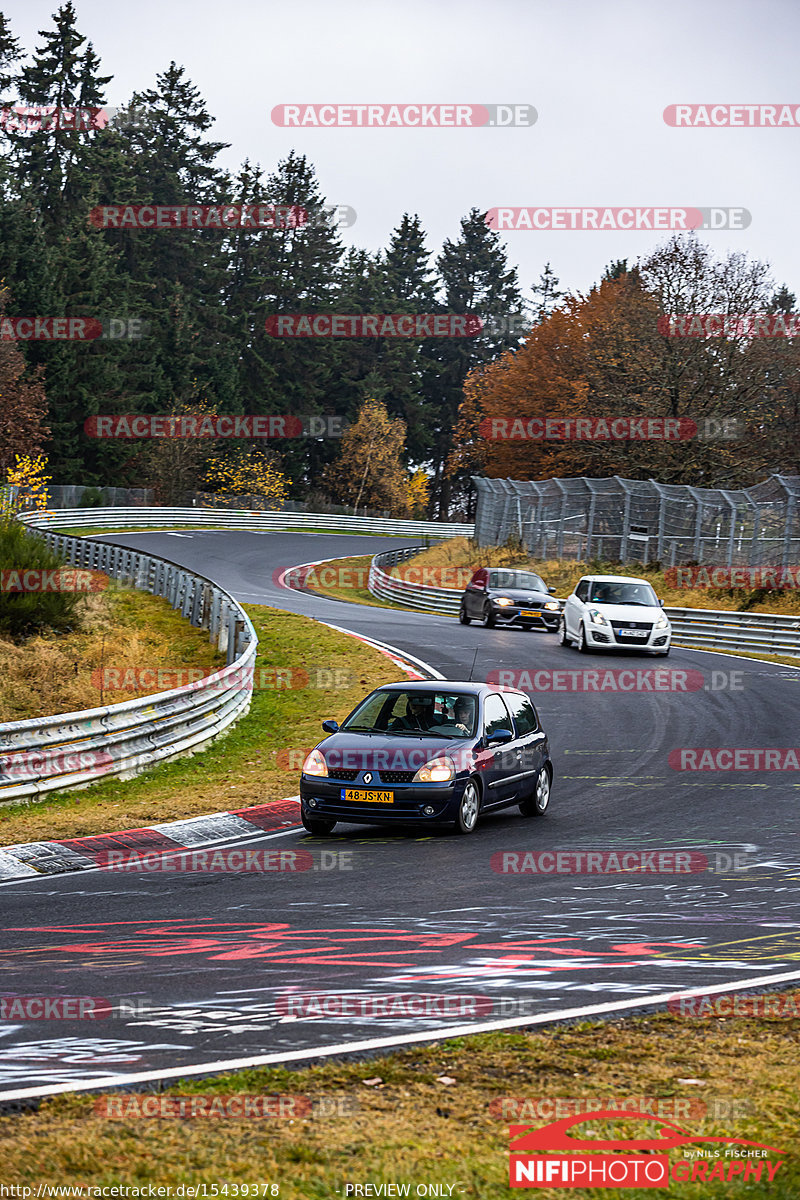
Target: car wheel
[[468, 809], [582, 646], [539, 802], [563, 637], [316, 824], [462, 615], [488, 617]]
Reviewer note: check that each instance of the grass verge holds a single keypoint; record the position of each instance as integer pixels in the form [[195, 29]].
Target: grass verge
[[433, 1114], [248, 765], [345, 579], [128, 644]]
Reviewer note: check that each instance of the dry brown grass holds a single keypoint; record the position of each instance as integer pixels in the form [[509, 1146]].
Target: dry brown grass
[[121, 631]]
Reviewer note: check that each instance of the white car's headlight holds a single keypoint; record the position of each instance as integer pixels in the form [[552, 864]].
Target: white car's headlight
[[503, 600], [315, 764], [662, 622], [438, 770], [552, 604], [596, 617]]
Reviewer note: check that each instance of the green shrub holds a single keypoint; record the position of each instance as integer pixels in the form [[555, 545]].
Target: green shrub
[[25, 613], [91, 497]]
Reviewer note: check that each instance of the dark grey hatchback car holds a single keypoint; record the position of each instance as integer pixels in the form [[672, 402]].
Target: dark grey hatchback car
[[434, 752], [505, 596]]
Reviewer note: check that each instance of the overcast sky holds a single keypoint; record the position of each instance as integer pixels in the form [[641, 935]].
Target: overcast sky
[[599, 73]]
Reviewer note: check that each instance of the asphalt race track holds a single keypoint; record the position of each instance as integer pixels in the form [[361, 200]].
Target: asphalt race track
[[214, 960]]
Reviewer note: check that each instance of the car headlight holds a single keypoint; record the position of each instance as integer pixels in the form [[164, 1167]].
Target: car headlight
[[438, 770], [503, 601], [597, 617], [315, 764], [662, 622], [553, 604]]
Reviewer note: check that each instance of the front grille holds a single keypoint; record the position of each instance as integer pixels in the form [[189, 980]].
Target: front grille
[[624, 630], [346, 774], [397, 776], [527, 604]]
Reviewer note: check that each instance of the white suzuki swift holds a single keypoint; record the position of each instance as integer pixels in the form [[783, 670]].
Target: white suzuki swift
[[614, 610]]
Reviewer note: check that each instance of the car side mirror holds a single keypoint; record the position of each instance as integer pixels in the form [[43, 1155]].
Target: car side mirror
[[552, 591], [659, 602], [330, 726], [500, 737]]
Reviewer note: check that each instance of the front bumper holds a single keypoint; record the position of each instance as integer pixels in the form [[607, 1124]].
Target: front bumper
[[605, 637], [540, 618], [408, 801]]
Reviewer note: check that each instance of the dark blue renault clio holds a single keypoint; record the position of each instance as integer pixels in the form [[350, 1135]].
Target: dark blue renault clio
[[434, 752]]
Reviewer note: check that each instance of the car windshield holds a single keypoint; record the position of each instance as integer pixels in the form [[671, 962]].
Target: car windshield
[[525, 580], [408, 714], [623, 593]]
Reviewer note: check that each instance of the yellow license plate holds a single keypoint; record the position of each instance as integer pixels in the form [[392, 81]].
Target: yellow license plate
[[355, 795], [527, 612]]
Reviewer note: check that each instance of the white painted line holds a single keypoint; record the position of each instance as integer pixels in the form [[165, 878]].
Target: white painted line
[[387, 647], [394, 1041]]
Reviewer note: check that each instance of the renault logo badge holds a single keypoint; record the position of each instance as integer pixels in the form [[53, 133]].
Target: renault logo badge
[[368, 777]]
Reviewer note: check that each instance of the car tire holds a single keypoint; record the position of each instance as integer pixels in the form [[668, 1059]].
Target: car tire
[[462, 615], [539, 802], [583, 647], [468, 809], [488, 619], [316, 825], [563, 637]]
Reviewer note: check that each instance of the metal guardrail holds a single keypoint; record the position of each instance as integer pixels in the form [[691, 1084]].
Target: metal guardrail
[[769, 633], [412, 595], [71, 750], [164, 518]]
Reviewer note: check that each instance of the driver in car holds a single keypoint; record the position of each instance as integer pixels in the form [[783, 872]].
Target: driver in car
[[462, 712], [418, 714]]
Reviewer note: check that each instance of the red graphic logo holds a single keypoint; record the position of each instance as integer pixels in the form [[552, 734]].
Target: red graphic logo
[[628, 1162]]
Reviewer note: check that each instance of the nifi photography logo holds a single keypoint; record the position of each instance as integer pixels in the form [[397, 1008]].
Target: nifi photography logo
[[594, 1162]]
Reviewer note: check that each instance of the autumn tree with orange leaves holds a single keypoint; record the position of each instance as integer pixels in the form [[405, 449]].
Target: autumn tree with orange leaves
[[604, 355]]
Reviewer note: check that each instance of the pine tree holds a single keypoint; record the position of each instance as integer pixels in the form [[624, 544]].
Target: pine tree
[[476, 278]]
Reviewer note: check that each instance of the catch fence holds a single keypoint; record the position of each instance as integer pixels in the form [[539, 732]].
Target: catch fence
[[633, 520]]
